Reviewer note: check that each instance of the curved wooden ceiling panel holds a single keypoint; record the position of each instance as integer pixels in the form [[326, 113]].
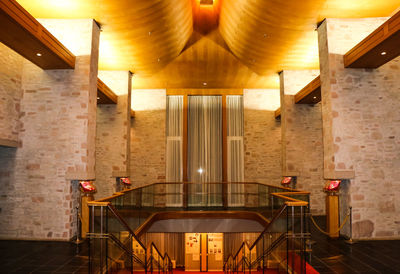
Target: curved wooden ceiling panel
[[236, 43], [261, 33]]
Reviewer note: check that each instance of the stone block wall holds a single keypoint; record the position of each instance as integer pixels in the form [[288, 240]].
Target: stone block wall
[[57, 141], [148, 143], [113, 133], [10, 94], [302, 150], [262, 138], [361, 110]]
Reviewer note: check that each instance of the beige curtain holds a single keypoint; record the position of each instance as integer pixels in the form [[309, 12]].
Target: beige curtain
[[174, 149], [235, 127], [205, 148]]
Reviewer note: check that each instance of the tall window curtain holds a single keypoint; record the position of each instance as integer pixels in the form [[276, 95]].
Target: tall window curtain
[[235, 127], [205, 147], [174, 149]]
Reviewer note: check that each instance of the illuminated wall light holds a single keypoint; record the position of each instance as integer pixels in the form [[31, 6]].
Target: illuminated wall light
[[200, 170], [383, 53]]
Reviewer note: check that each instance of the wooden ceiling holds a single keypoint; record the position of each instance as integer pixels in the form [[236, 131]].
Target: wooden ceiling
[[234, 43]]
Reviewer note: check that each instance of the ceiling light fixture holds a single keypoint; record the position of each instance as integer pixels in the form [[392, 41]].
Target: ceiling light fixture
[[204, 84], [38, 54], [98, 98], [383, 53], [206, 2], [315, 97]]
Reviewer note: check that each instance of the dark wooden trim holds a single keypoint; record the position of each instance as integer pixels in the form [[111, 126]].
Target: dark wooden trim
[[245, 215], [105, 94], [278, 113], [9, 143], [307, 94], [23, 33], [367, 53], [132, 113]]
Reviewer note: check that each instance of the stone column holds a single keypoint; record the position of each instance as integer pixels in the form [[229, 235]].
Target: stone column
[[262, 137], [360, 110], [301, 127], [113, 133], [58, 122]]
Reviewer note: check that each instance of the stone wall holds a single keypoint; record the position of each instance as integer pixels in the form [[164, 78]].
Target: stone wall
[[302, 151], [361, 110], [57, 141], [148, 137], [262, 137], [10, 94], [112, 133]]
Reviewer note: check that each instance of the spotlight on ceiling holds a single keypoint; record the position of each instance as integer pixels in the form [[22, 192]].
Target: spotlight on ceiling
[[204, 84], [206, 2], [315, 97], [383, 53], [38, 54]]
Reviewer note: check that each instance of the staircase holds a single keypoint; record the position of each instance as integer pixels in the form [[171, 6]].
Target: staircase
[[116, 222]]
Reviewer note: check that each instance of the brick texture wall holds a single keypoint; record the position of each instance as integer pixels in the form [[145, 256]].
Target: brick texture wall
[[361, 127], [112, 133], [262, 139], [57, 139], [148, 137], [10, 93], [302, 150]]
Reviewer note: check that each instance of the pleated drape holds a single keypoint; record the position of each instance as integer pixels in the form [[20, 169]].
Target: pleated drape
[[235, 167], [174, 149], [205, 148]]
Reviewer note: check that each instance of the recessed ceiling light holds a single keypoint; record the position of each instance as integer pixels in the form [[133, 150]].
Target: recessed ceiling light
[[149, 33], [38, 54], [158, 60], [383, 53], [98, 98], [204, 84], [315, 97]]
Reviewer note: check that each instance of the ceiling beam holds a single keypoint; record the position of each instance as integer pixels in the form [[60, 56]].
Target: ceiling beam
[[378, 48], [278, 113], [310, 94], [21, 32], [104, 94]]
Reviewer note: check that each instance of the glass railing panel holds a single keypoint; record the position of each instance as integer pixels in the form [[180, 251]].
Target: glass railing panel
[[119, 257], [205, 195], [174, 195]]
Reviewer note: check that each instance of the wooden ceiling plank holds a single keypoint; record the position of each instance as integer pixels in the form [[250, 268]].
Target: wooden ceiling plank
[[105, 94], [24, 34], [368, 53], [306, 95]]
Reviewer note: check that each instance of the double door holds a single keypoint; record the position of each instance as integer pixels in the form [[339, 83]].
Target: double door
[[204, 252]]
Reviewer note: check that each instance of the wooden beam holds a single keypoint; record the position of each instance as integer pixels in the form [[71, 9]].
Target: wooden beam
[[310, 94], [132, 113], [278, 113], [369, 52], [9, 143], [104, 94], [21, 32]]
